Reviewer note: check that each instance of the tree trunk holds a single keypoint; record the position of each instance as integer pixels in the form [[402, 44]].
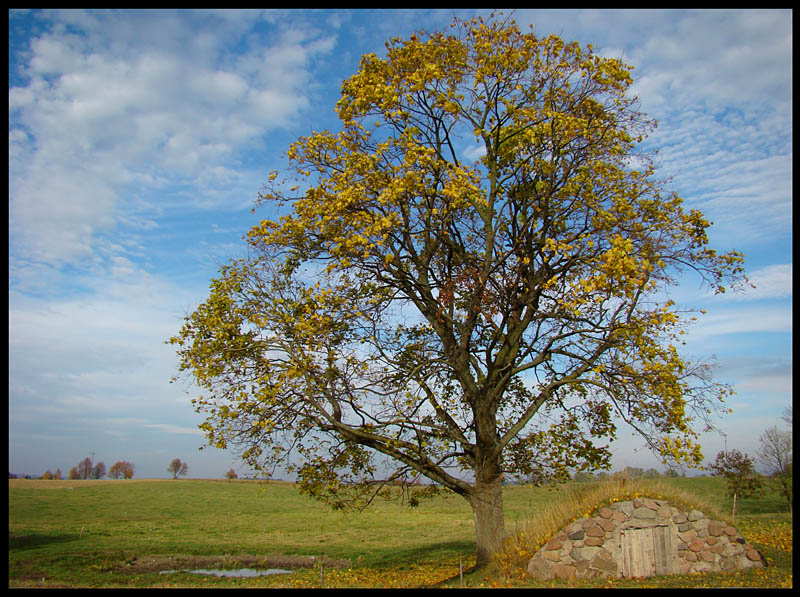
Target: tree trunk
[[487, 505]]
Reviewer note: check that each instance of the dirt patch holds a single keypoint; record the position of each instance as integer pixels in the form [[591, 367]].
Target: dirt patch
[[158, 563]]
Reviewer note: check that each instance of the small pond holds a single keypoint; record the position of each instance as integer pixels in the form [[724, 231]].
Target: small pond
[[240, 573]]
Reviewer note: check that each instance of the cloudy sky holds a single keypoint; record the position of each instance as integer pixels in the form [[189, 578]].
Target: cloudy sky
[[138, 141]]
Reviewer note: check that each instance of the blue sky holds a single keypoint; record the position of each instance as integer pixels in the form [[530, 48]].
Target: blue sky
[[138, 141]]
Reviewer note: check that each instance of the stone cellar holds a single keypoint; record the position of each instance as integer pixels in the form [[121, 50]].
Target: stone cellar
[[639, 538]]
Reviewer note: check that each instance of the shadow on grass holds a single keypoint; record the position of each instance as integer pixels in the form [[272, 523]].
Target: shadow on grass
[[411, 557], [23, 542]]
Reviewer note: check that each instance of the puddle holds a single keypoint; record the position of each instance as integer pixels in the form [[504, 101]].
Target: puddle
[[240, 573]]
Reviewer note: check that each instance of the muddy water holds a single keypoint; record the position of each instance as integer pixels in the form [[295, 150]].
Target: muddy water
[[240, 573]]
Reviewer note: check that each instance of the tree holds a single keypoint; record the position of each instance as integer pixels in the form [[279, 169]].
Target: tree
[[231, 474], [73, 473], [121, 470], [99, 471], [651, 473], [177, 468], [47, 475], [737, 468], [460, 319], [85, 469], [775, 452]]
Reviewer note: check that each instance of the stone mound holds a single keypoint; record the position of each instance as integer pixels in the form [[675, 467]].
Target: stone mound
[[639, 538]]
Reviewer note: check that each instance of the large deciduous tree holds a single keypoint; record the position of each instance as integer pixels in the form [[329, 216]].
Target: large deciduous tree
[[471, 282]]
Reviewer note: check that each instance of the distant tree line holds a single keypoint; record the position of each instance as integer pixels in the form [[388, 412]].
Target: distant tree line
[[629, 472], [85, 469]]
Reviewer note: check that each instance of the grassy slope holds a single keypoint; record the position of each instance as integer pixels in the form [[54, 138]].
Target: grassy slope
[[99, 533]]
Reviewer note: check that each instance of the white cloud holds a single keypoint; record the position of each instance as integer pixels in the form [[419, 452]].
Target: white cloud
[[748, 319], [127, 101], [771, 282], [475, 151], [175, 429]]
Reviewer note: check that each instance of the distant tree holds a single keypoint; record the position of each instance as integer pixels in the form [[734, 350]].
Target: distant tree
[[737, 468], [58, 474], [99, 471], [583, 477], [775, 452], [121, 470], [85, 469], [629, 472], [231, 474], [73, 473], [671, 473], [177, 468], [47, 475], [115, 472]]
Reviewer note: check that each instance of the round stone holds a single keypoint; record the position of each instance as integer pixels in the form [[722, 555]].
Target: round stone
[[644, 513], [563, 571], [605, 564], [753, 555], [706, 556], [540, 569], [727, 564], [619, 516], [553, 556], [595, 531], [715, 528], [584, 553], [607, 525], [697, 544], [554, 544], [687, 536], [648, 503]]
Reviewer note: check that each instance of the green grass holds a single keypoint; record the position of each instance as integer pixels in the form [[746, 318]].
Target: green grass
[[121, 533]]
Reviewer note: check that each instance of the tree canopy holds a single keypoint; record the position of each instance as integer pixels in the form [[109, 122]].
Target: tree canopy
[[460, 318], [177, 468]]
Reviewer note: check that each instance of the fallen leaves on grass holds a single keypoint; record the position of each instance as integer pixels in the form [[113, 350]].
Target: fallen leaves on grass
[[422, 574]]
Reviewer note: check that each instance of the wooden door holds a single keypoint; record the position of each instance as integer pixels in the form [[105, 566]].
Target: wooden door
[[647, 552]]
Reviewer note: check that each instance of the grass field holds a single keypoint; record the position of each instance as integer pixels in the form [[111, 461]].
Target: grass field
[[125, 533]]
